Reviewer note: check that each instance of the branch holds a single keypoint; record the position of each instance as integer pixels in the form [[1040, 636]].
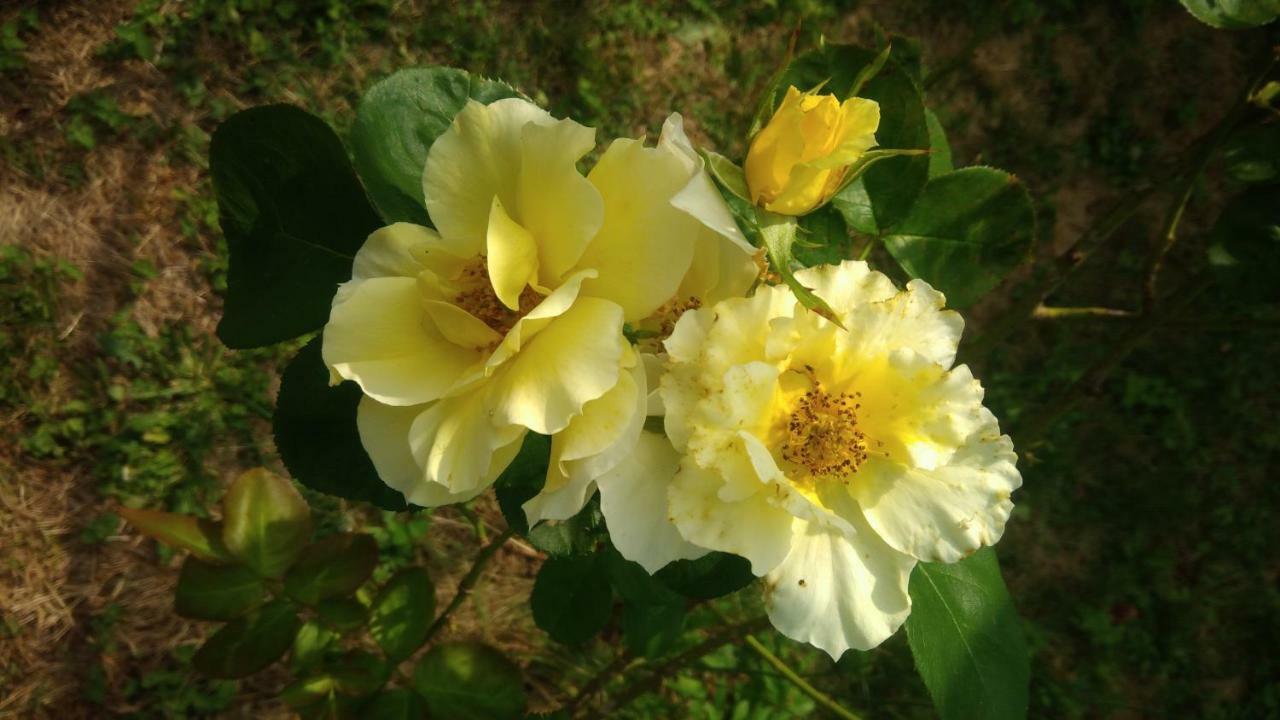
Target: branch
[[468, 582], [1044, 312], [818, 696]]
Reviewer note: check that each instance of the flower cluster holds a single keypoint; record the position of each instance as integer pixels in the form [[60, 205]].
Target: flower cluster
[[833, 453]]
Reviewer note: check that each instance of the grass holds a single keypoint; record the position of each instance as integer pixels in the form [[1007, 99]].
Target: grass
[[1138, 553]]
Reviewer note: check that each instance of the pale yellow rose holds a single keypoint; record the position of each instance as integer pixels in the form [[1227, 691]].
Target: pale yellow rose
[[832, 460], [508, 316], [799, 160]]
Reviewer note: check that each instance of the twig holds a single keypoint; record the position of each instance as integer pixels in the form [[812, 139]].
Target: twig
[[600, 680], [661, 673], [818, 696], [1044, 312], [469, 582]]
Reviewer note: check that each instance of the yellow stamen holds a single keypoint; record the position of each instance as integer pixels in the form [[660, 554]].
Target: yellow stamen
[[822, 432], [478, 298]]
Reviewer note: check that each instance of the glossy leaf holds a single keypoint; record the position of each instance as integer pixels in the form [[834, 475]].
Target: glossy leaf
[[293, 213], [823, 238], [402, 613], [1233, 14], [202, 538], [469, 681], [578, 535], [523, 479], [248, 644], [357, 673], [334, 566], [967, 640], [315, 432], [571, 597], [266, 523], [311, 644], [398, 120], [711, 576], [939, 149], [652, 614], [216, 592], [342, 613], [308, 691], [967, 230], [779, 240]]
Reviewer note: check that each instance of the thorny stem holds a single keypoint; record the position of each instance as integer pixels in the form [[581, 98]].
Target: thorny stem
[[468, 582], [662, 672], [818, 696]]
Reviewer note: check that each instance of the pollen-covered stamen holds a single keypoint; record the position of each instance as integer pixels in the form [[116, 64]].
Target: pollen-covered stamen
[[478, 298], [822, 432]]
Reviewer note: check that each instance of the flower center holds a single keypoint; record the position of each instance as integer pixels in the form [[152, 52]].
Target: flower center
[[478, 298], [822, 432]]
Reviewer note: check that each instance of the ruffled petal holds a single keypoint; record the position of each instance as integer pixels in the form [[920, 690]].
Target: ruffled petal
[[478, 158], [404, 250], [384, 432], [946, 513], [558, 206], [512, 255], [633, 498], [914, 319], [380, 336], [837, 592], [572, 361], [752, 527], [551, 307]]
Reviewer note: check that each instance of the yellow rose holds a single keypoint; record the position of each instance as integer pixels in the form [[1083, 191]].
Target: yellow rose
[[799, 159]]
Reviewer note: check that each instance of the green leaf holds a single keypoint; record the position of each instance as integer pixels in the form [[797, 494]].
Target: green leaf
[[890, 186], [216, 592], [1245, 254], [308, 691], [335, 566], [397, 704], [940, 150], [342, 613], [967, 640], [523, 479], [652, 614], [358, 673], [248, 644], [202, 538], [311, 644], [315, 432], [1253, 154], [823, 238], [711, 576], [578, 535], [968, 229], [398, 120], [469, 681], [294, 215], [571, 597], [402, 613], [1233, 14], [727, 174], [266, 523]]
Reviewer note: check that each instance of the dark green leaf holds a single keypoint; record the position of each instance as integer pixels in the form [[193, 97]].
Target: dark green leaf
[[711, 576], [940, 150], [779, 235], [311, 644], [1253, 154], [202, 538], [216, 592], [968, 229], [402, 612], [571, 597], [652, 614], [266, 523], [578, 535], [358, 673], [1233, 14], [397, 704], [469, 681], [967, 640], [342, 613], [294, 215], [308, 691], [315, 432], [523, 479], [335, 566], [248, 644], [823, 238], [1245, 254], [398, 120]]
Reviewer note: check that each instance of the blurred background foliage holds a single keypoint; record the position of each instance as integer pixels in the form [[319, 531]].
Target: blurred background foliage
[[1142, 551]]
